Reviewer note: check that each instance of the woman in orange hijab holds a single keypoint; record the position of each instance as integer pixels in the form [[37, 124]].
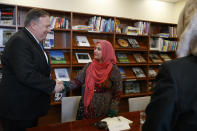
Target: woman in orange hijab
[[103, 85]]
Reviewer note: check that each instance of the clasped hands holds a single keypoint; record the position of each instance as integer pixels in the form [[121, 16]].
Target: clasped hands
[[59, 86]]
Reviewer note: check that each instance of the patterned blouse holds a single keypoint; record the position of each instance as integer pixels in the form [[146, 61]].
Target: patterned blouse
[[106, 95]]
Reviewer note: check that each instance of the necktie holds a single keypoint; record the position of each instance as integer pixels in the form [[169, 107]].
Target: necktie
[[43, 51], [41, 46]]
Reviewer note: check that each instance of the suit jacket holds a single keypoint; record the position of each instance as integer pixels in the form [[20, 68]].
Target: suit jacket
[[173, 105], [26, 84]]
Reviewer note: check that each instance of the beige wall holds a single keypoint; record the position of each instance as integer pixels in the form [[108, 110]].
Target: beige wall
[[152, 10], [178, 7]]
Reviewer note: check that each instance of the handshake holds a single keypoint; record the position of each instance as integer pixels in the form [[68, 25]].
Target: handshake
[[60, 86]]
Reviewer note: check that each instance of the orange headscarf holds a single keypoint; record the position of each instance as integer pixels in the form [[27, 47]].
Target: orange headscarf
[[98, 72]]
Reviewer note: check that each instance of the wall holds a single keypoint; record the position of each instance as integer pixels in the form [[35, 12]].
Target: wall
[[177, 9], [152, 10]]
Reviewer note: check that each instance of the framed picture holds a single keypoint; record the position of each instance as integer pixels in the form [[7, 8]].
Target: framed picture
[[62, 74], [83, 57]]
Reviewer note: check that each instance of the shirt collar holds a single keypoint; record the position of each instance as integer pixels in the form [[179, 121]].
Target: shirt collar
[[32, 35]]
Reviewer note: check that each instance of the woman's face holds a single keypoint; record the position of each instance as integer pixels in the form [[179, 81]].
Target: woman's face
[[98, 52]]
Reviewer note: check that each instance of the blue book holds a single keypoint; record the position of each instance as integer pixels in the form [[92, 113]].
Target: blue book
[[49, 41], [122, 72]]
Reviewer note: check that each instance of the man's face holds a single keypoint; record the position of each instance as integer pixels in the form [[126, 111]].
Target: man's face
[[42, 27]]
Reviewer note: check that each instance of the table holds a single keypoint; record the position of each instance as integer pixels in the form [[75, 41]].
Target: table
[[87, 125]]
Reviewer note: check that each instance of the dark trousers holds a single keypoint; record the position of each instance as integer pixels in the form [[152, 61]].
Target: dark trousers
[[17, 125]]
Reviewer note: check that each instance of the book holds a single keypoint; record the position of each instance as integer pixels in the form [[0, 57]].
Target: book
[[122, 72], [152, 72], [151, 85], [139, 73], [49, 41], [156, 44], [1, 53], [5, 35], [57, 57], [133, 43], [122, 58], [155, 58], [62, 74], [131, 87], [165, 57], [82, 41], [83, 57], [123, 43], [118, 29], [139, 58]]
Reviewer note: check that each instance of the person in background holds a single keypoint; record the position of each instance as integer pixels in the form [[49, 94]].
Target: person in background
[[103, 85], [26, 84], [173, 105]]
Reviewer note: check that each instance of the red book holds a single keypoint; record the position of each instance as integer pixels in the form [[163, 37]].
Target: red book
[[7, 13]]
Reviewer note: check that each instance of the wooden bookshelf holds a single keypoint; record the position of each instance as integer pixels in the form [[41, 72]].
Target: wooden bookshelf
[[64, 40]]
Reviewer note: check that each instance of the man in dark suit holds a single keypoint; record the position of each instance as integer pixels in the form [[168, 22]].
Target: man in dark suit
[[173, 105], [26, 83]]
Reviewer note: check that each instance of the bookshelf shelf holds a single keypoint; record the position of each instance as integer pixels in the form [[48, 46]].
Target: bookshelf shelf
[[136, 94], [60, 65], [93, 32], [59, 29], [7, 26], [58, 48]]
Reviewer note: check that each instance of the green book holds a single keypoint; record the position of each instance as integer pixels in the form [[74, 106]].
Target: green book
[[122, 58], [57, 57]]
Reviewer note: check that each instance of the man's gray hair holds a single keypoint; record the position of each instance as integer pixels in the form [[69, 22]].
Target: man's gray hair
[[34, 15]]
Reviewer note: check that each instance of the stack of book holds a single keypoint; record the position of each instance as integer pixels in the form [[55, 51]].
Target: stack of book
[[7, 15], [99, 24], [160, 44], [59, 22]]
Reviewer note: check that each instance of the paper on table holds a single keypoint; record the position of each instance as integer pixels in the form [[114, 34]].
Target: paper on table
[[117, 123]]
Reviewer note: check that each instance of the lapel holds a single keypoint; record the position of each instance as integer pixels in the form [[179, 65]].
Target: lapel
[[36, 45]]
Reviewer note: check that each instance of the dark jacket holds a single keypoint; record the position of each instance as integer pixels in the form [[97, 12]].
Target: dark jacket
[[173, 105], [26, 84]]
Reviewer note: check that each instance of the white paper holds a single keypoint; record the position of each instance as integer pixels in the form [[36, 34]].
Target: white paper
[[117, 123]]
